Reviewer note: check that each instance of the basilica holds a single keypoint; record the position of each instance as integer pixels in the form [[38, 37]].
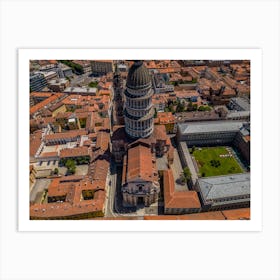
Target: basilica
[[138, 143]]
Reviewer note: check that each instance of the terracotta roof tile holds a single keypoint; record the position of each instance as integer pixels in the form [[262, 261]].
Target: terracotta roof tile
[[103, 140], [35, 142], [237, 214], [74, 204], [49, 154], [45, 102], [141, 164], [173, 199], [74, 152], [62, 135]]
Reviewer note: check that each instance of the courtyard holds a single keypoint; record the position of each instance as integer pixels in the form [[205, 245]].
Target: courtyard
[[215, 161]]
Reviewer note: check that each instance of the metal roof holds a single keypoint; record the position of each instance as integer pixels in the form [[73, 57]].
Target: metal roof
[[207, 127], [225, 186]]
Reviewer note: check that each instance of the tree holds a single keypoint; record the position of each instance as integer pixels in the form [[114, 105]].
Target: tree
[[71, 166], [180, 107], [155, 114], [171, 108], [93, 84], [215, 163], [193, 149], [186, 174], [204, 108], [190, 106], [183, 178], [55, 172]]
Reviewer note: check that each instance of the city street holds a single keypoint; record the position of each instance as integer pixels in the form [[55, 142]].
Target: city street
[[109, 212]]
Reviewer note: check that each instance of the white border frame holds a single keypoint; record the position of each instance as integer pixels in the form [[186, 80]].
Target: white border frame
[[254, 224]]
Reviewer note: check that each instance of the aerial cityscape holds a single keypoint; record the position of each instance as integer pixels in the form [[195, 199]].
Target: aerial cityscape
[[139, 139]]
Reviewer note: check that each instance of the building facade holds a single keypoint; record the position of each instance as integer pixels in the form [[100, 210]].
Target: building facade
[[37, 82], [140, 177], [208, 133], [85, 66], [58, 85], [101, 67]]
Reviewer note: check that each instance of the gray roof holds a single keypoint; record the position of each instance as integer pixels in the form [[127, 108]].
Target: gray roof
[[58, 81], [242, 102], [225, 186], [236, 114], [207, 127], [138, 76], [81, 89], [244, 131]]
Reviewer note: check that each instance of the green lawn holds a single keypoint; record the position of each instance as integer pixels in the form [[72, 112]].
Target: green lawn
[[211, 164]]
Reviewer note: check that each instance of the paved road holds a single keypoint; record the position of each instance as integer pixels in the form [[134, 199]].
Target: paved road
[[39, 187], [111, 192]]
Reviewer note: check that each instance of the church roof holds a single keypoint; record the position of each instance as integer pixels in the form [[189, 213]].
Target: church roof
[[140, 163]]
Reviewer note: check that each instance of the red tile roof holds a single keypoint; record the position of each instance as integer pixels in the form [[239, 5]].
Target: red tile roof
[[103, 140], [173, 199], [49, 154], [74, 204], [41, 94], [165, 118], [63, 135], [104, 92], [140, 164], [35, 142], [213, 215], [237, 214], [74, 152], [99, 170], [45, 102]]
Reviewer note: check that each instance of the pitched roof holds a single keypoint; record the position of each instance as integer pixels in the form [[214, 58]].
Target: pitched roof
[[103, 140], [35, 142], [172, 199], [231, 185], [237, 214], [140, 163], [74, 152], [62, 135], [49, 154], [213, 215], [45, 102]]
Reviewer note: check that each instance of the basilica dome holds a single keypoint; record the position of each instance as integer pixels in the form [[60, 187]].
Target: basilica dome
[[139, 111], [138, 76]]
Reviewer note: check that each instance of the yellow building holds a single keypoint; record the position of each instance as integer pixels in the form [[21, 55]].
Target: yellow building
[[58, 108]]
